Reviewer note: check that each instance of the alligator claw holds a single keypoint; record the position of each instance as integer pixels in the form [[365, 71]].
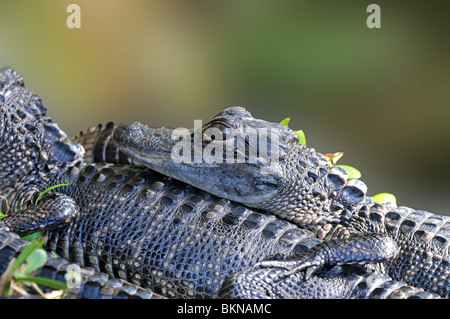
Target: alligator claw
[[361, 249], [54, 209]]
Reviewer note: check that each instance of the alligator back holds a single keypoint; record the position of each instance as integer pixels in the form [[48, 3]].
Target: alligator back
[[159, 233], [424, 238]]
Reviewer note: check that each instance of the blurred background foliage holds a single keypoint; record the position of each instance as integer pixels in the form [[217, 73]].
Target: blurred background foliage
[[380, 95]]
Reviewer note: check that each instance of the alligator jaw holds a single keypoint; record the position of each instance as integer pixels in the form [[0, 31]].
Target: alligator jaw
[[154, 148]]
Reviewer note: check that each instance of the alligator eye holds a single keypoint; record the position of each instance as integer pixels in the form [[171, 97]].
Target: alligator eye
[[218, 132]]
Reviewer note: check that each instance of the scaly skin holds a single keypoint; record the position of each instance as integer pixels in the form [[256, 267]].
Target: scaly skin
[[347, 282], [127, 221], [89, 285], [130, 222], [302, 187]]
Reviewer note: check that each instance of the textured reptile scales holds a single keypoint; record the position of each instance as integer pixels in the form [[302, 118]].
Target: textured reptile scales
[[151, 230], [301, 186]]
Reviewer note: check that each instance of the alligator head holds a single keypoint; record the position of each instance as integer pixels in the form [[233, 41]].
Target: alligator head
[[251, 161], [30, 143], [233, 156]]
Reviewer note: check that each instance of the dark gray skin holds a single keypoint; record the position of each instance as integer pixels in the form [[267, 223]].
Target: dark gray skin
[[127, 221], [302, 187], [339, 282], [136, 224]]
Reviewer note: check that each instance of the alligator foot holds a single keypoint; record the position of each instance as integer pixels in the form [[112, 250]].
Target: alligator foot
[[54, 209], [338, 282], [362, 249]]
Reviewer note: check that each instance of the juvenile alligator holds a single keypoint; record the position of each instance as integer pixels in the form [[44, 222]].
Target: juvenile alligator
[[299, 186], [145, 227], [126, 221]]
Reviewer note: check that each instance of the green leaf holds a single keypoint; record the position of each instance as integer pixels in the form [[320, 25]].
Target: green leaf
[[48, 189], [301, 137], [333, 158], [35, 260], [32, 236], [2, 215], [27, 252], [383, 198], [55, 284], [353, 173], [286, 121], [300, 133], [6, 288]]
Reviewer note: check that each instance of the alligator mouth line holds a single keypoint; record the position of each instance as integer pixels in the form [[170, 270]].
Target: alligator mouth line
[[182, 155], [203, 145]]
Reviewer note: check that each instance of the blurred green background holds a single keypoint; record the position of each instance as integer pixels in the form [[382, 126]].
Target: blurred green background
[[380, 95]]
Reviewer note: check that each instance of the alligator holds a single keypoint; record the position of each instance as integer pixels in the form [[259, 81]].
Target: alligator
[[124, 215], [338, 282], [298, 185], [89, 285]]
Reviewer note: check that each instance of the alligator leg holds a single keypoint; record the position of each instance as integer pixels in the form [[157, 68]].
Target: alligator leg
[[54, 209], [362, 249], [350, 282]]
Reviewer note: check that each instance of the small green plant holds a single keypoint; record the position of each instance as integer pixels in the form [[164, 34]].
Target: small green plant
[[286, 121], [301, 137], [49, 189], [300, 133], [20, 274], [32, 236], [353, 173], [333, 158]]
